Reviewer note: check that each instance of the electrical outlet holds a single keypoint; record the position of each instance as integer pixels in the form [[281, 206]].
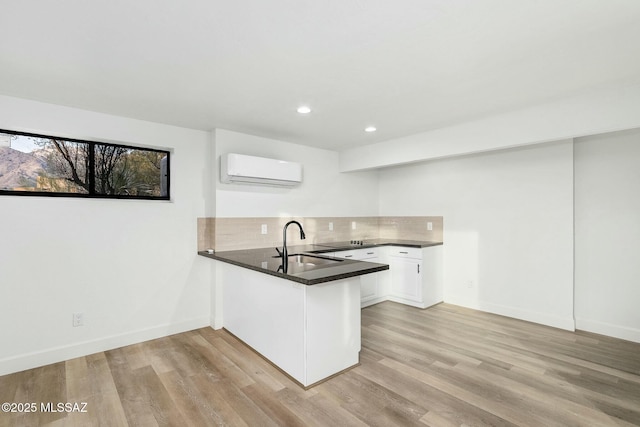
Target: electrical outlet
[[353, 225], [429, 226], [263, 229], [330, 226], [78, 319]]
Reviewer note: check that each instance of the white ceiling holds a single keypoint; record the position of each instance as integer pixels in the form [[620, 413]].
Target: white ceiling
[[405, 66]]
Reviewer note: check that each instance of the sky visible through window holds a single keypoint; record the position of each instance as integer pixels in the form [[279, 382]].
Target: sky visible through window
[[23, 143]]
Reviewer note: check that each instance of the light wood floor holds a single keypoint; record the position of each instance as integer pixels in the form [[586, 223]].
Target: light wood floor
[[443, 366]]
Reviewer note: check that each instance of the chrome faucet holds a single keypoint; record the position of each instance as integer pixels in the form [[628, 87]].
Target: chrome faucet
[[284, 254]]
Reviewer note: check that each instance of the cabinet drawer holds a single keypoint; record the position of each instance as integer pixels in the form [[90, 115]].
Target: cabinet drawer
[[358, 254], [346, 254], [405, 252], [366, 253]]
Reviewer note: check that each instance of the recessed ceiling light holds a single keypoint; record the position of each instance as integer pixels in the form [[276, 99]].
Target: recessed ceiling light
[[304, 109], [370, 129]]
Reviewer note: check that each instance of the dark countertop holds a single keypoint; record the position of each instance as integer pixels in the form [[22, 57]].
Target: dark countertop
[[371, 243], [263, 260]]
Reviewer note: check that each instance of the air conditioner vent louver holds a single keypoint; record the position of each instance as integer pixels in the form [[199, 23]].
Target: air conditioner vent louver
[[243, 169]]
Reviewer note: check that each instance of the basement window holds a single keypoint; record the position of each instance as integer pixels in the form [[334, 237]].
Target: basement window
[[41, 165]]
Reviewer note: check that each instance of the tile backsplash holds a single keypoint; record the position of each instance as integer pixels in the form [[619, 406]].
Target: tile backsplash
[[225, 234], [206, 233], [411, 228]]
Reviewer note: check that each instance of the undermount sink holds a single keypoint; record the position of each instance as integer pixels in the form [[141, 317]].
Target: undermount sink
[[310, 260]]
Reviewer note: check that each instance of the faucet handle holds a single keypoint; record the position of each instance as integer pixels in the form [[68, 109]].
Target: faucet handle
[[279, 252]]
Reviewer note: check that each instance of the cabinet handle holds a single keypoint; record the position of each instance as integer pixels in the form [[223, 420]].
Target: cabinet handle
[[418, 268], [348, 256], [402, 252], [369, 253]]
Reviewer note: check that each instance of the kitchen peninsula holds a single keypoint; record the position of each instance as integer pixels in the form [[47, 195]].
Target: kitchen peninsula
[[305, 321]]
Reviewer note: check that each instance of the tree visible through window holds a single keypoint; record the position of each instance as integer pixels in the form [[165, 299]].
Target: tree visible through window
[[37, 164]]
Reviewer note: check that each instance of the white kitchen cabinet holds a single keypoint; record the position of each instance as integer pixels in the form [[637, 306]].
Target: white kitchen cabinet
[[416, 276], [369, 283], [406, 279], [370, 292]]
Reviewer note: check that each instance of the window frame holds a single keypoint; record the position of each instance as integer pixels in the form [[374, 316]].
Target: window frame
[[92, 193]]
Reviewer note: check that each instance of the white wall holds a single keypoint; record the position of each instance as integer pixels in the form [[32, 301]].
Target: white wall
[[591, 113], [130, 266], [607, 223], [508, 227], [324, 190]]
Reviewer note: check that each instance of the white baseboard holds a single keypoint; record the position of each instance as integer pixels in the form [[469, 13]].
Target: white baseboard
[[560, 322], [406, 302], [215, 322], [58, 354], [373, 301], [602, 328]]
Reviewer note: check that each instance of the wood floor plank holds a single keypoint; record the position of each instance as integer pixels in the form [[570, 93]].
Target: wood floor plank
[[220, 359], [46, 385], [159, 401], [553, 385], [431, 396], [556, 406], [191, 403], [78, 391], [443, 366], [104, 404], [229, 395], [317, 410], [134, 398], [264, 398], [487, 397], [372, 403]]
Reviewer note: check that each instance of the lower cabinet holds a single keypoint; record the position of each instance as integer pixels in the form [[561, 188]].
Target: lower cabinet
[[368, 287], [414, 276], [406, 278], [370, 290]]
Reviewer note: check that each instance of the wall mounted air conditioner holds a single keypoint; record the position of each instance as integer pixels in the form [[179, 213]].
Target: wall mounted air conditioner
[[239, 168]]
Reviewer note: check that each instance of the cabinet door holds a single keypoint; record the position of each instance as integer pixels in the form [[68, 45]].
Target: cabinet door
[[369, 282], [369, 285], [369, 293], [406, 278]]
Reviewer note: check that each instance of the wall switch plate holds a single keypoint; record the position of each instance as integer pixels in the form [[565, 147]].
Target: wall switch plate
[[263, 229], [353, 225], [469, 284], [429, 226], [330, 226], [78, 319]]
